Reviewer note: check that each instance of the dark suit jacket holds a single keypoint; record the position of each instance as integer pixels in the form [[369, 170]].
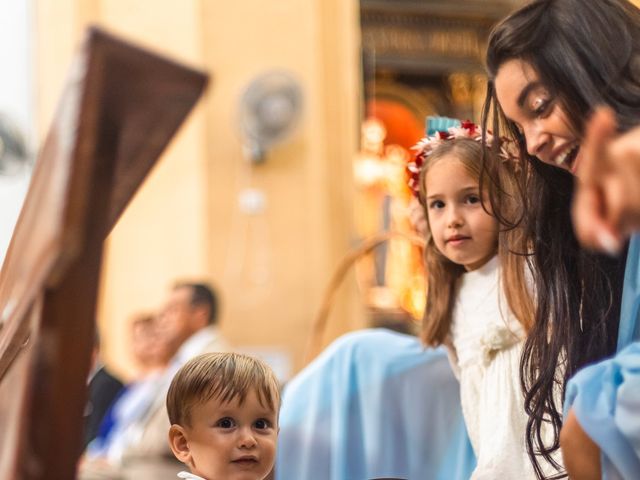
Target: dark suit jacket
[[103, 389]]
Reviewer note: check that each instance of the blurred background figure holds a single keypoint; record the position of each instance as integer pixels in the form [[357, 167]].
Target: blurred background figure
[[150, 349], [104, 388], [151, 352]]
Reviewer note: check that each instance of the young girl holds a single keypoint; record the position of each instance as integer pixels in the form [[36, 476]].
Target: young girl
[[467, 308]]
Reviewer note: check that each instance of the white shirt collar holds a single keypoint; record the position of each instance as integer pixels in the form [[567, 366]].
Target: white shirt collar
[[189, 476], [195, 344]]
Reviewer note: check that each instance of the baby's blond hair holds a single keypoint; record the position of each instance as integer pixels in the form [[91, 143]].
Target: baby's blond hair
[[224, 376]]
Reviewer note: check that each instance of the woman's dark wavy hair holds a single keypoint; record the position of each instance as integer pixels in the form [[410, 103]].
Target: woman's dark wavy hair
[[586, 53]]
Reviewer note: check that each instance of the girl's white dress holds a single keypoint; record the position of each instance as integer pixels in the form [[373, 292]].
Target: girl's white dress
[[486, 348]]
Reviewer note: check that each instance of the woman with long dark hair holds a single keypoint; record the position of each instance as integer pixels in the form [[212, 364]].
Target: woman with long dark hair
[[550, 65]]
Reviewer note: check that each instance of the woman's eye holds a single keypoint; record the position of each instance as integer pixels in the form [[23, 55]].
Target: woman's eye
[[226, 422], [473, 199], [262, 424], [436, 204], [540, 106]]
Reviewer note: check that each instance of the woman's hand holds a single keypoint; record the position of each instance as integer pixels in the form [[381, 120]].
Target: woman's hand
[[606, 206]]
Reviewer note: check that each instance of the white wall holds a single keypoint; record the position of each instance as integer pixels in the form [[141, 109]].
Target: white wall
[[16, 102]]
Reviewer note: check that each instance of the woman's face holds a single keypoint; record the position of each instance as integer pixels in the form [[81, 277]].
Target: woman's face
[[538, 115]]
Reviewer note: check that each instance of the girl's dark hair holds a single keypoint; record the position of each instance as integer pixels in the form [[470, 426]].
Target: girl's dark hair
[[586, 53]]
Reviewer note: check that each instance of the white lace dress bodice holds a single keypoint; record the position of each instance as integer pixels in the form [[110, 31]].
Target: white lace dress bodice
[[487, 344]]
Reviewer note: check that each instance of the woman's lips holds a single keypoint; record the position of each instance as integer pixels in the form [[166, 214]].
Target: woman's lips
[[566, 157], [575, 161]]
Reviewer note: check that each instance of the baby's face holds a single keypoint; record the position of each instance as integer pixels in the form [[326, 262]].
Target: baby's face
[[229, 441]]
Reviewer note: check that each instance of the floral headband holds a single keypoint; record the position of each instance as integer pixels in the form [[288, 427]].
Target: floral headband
[[428, 144]]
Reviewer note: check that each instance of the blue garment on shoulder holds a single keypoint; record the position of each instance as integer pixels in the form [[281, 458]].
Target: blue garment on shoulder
[[605, 397], [375, 403], [629, 330]]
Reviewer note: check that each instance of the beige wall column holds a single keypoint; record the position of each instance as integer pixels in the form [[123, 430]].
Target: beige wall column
[[342, 102]]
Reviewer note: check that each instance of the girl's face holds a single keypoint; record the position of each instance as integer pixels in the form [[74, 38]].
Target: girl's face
[[539, 116], [462, 231]]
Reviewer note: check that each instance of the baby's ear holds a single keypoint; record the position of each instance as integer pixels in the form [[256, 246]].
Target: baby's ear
[[179, 443]]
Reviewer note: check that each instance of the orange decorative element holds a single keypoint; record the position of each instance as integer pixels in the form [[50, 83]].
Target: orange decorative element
[[402, 125]]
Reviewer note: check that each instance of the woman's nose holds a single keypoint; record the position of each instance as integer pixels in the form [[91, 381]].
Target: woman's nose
[[537, 139]]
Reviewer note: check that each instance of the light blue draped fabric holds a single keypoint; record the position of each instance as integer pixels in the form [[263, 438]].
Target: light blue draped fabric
[[605, 397], [374, 404], [629, 326]]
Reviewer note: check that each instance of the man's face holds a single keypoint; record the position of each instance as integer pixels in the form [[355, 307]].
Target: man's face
[[150, 347], [177, 319]]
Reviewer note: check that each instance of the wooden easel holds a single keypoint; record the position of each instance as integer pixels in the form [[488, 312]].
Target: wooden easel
[[120, 108]]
